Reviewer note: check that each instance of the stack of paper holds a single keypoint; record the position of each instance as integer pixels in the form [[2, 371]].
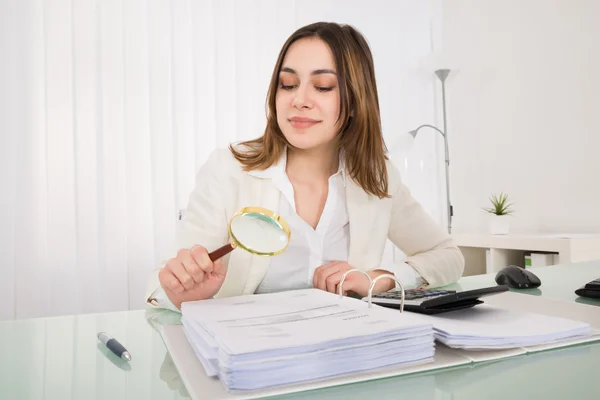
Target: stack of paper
[[268, 340], [488, 327]]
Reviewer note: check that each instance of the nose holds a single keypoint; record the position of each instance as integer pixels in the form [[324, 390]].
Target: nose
[[302, 98]]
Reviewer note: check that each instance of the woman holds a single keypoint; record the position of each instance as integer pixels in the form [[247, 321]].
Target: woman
[[322, 165]]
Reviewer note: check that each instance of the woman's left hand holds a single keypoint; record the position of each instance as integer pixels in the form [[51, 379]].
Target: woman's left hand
[[327, 277]]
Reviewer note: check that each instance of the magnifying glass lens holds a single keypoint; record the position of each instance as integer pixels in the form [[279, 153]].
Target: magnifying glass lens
[[259, 233]]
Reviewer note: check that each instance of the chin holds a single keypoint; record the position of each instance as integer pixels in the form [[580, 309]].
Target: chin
[[303, 146], [302, 141]]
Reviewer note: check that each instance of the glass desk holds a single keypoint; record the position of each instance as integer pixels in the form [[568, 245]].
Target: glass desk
[[61, 358]]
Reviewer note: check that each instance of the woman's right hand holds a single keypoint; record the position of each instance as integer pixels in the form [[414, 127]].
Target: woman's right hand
[[191, 276]]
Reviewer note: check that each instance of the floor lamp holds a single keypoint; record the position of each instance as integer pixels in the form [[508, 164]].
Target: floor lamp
[[442, 74]]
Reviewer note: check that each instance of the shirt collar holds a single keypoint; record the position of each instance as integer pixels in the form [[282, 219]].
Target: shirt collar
[[278, 169]]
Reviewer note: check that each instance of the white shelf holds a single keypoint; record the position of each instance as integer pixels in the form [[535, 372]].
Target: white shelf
[[510, 249]]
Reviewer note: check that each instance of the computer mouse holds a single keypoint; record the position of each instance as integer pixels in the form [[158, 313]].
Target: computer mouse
[[517, 278]]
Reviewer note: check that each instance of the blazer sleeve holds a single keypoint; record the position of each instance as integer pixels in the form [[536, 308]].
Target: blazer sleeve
[[204, 221], [428, 248]]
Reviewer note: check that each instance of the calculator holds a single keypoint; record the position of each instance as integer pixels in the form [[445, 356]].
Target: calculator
[[435, 301]]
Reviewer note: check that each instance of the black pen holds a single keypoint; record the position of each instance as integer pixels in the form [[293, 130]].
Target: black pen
[[114, 346]]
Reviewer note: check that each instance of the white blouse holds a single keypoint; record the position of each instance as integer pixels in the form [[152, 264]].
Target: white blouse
[[310, 248]]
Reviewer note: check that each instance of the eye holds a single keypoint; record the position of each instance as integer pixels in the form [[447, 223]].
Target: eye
[[324, 88], [287, 87]]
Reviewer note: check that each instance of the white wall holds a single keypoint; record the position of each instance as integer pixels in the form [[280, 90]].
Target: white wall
[[523, 106]]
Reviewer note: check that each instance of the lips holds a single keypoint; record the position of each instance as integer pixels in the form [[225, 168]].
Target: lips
[[303, 122]]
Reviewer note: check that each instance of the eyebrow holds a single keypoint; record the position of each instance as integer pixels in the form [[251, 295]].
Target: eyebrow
[[315, 72]]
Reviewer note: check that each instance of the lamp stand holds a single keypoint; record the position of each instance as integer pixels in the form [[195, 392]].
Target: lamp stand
[[442, 74]]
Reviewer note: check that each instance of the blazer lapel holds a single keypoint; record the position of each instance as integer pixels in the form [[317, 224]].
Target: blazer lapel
[[246, 270], [359, 206], [267, 197]]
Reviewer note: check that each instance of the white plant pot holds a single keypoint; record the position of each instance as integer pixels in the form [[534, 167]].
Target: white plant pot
[[499, 224]]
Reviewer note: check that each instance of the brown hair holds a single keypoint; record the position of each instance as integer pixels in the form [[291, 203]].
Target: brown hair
[[360, 137]]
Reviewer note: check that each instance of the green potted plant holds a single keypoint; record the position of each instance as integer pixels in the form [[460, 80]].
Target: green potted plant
[[499, 213]]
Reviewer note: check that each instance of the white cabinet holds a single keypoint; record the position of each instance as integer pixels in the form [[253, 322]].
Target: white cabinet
[[486, 253]]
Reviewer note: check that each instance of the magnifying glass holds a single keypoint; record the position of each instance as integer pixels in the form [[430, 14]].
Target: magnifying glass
[[256, 230]]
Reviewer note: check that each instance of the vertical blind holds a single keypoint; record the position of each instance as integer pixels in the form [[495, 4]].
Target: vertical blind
[[109, 107]]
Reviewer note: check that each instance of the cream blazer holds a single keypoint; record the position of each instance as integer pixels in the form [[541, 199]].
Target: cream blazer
[[222, 188]]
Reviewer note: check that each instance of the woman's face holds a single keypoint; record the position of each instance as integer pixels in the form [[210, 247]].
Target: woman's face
[[308, 96]]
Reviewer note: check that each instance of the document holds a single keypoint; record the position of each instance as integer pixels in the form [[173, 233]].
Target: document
[[267, 340], [489, 327]]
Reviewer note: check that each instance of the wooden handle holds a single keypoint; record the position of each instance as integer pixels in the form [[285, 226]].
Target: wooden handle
[[220, 252]]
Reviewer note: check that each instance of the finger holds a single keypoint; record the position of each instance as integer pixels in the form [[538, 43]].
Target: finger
[[356, 283], [332, 282], [320, 270], [219, 268], [350, 284], [192, 268], [168, 280], [202, 258], [182, 253], [326, 273], [328, 265], [183, 276]]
